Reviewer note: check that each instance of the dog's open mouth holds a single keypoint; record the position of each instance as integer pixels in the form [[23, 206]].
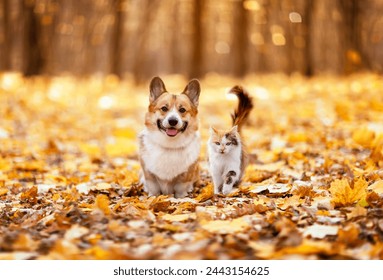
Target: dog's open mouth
[[171, 131]]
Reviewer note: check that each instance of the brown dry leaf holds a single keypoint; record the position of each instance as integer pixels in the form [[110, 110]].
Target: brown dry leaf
[[304, 191], [357, 211], [349, 235], [374, 200], [344, 195], [24, 242], [30, 195], [102, 203], [185, 207], [260, 208], [226, 226], [160, 203], [206, 193]]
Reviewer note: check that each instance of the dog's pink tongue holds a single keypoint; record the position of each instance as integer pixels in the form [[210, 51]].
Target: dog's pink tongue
[[171, 131]]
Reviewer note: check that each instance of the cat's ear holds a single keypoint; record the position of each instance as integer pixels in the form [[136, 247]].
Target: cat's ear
[[192, 90], [157, 87], [213, 130], [234, 129]]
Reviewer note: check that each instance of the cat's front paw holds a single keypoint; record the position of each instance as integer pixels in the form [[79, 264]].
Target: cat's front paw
[[226, 189]]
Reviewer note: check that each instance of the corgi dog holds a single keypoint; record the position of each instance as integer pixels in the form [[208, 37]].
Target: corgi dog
[[169, 145]]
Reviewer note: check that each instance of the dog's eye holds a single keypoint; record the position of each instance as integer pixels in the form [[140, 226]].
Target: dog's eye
[[217, 143], [182, 110], [164, 109], [228, 144]]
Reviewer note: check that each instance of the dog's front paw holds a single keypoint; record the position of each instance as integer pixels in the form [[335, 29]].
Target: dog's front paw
[[182, 189], [180, 194], [151, 188]]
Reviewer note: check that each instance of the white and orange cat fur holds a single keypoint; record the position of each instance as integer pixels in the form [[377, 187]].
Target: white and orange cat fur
[[226, 151]]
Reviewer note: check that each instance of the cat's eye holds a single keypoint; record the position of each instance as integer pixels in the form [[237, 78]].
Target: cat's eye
[[182, 110], [217, 143], [164, 109], [228, 143]]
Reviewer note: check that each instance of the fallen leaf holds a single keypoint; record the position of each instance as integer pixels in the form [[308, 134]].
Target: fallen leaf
[[30, 195], [185, 207], [3, 191], [320, 231], [160, 203], [376, 187], [206, 193], [226, 226], [255, 176], [178, 217], [102, 203], [43, 188], [276, 188], [349, 235], [357, 211], [363, 136], [101, 187], [374, 200], [344, 195]]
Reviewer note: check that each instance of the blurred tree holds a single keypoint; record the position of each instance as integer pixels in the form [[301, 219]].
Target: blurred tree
[[143, 38]]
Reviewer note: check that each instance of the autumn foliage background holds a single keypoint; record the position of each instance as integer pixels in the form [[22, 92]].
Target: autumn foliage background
[[74, 90]]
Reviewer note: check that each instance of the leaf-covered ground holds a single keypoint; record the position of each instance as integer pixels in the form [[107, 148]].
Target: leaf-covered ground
[[69, 172]]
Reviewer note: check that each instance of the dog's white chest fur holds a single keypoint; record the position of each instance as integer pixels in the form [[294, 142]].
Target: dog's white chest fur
[[168, 159]]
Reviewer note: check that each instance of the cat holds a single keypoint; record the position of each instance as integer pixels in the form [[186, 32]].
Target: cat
[[227, 157]]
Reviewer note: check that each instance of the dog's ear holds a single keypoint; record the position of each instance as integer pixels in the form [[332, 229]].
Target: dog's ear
[[157, 87], [193, 90]]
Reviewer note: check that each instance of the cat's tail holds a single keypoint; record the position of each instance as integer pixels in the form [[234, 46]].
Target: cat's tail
[[245, 104]]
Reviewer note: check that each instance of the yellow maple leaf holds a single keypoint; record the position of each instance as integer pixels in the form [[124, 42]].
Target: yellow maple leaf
[[206, 193], [363, 136], [102, 203], [344, 195]]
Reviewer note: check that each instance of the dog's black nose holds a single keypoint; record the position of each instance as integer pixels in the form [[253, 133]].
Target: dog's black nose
[[173, 122]]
